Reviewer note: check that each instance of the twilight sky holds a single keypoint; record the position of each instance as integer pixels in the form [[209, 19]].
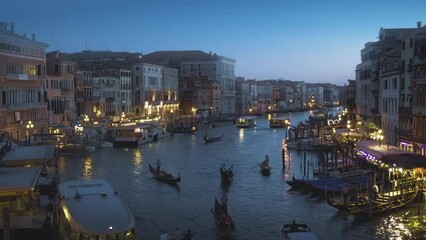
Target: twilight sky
[[307, 40]]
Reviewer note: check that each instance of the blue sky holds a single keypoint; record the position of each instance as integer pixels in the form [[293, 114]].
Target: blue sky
[[307, 40]]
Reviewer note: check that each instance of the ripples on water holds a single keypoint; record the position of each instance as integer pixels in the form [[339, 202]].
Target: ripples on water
[[258, 204]]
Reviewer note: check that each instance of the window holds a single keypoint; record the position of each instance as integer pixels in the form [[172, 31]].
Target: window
[[385, 84], [395, 83], [411, 42]]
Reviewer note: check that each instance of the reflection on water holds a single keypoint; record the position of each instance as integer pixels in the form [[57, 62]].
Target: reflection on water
[[258, 205], [88, 167]]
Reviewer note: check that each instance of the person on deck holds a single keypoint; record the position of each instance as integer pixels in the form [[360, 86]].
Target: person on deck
[[345, 191], [375, 191], [158, 163]]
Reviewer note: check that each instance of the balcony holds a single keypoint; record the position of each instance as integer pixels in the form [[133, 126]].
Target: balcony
[[21, 77], [403, 132], [26, 106], [421, 80], [404, 110]]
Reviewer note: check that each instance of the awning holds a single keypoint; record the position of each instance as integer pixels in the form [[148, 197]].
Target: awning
[[391, 155], [405, 160]]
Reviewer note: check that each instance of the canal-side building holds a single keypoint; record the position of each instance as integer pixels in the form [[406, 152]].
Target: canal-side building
[[198, 63], [107, 61], [170, 93], [369, 81], [59, 85], [147, 90], [23, 106], [109, 87], [404, 130], [418, 140], [390, 91]]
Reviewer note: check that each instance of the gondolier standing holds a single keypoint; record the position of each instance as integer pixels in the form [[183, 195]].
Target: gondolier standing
[[158, 163]]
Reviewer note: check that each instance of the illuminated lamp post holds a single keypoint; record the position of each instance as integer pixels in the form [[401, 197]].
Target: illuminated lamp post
[[380, 137], [29, 126], [349, 127]]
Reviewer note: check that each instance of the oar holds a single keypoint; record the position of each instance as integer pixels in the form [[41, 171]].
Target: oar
[[193, 219]]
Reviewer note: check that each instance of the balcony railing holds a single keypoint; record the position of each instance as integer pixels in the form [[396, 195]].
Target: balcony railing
[[403, 132], [21, 77], [421, 80], [404, 110], [374, 111]]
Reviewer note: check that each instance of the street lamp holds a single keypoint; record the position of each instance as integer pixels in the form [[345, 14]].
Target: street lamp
[[29, 126], [349, 127], [380, 137]]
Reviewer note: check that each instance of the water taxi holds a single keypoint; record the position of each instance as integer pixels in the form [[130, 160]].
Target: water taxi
[[279, 122], [90, 209], [246, 122], [134, 135]]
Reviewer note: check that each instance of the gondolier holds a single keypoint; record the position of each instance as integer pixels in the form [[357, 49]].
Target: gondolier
[[158, 163]]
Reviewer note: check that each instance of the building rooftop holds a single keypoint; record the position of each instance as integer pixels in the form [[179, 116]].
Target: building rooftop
[[18, 178], [29, 155]]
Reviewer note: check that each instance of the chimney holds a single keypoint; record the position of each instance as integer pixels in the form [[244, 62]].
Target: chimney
[[12, 27], [419, 24], [3, 27], [33, 37]]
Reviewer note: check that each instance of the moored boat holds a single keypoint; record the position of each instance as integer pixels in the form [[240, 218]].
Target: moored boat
[[384, 203], [75, 149], [106, 144], [91, 209], [163, 175], [297, 231]]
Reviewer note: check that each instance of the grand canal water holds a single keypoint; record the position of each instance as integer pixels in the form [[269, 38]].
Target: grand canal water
[[258, 204]]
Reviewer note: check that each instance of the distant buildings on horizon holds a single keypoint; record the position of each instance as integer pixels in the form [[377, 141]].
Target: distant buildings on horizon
[[50, 92]]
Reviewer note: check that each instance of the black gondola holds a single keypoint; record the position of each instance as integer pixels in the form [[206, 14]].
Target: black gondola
[[382, 204], [226, 174], [163, 175], [265, 169], [223, 221], [212, 139]]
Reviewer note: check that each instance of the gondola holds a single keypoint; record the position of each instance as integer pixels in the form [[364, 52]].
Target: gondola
[[163, 175], [265, 169], [223, 221], [226, 174], [382, 205], [345, 207], [212, 139], [298, 184], [297, 231]]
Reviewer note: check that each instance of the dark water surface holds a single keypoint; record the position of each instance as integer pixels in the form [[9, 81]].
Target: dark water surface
[[259, 205]]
